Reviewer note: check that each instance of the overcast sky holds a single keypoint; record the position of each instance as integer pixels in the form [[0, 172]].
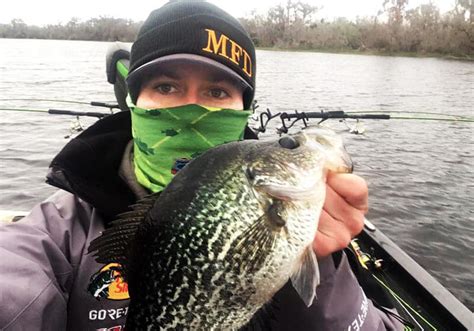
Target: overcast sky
[[41, 12]]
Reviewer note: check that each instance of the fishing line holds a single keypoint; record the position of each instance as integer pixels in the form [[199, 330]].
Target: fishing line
[[289, 119], [50, 100], [59, 112], [433, 119], [396, 296], [450, 117], [25, 110], [363, 258], [110, 105], [284, 117], [400, 112]]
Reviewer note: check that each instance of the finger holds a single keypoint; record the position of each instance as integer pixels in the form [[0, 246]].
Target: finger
[[332, 236], [339, 209], [351, 188]]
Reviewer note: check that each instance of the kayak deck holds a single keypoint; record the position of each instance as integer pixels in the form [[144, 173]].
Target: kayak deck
[[417, 296]]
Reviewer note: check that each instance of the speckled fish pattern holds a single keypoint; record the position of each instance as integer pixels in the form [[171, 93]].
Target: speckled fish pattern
[[226, 234]]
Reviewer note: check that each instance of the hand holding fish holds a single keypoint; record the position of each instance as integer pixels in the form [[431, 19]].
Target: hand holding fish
[[342, 217]]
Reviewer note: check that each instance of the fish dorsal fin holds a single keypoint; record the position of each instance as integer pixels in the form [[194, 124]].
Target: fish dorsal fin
[[114, 244], [305, 278]]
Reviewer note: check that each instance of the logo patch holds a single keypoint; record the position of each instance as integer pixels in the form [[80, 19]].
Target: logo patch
[[179, 164], [228, 49], [108, 283], [107, 314]]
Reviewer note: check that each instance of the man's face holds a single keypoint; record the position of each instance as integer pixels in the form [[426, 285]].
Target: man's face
[[183, 84]]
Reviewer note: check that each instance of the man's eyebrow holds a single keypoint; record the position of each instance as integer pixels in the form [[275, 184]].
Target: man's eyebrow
[[219, 77], [216, 77], [164, 72]]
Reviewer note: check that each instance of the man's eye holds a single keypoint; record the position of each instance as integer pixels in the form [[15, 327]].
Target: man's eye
[[218, 93], [165, 88]]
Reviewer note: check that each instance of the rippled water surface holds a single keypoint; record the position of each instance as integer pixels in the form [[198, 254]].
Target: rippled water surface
[[420, 173]]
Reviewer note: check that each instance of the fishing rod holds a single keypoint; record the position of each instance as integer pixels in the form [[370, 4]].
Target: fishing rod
[[401, 112], [98, 115], [288, 120], [110, 106], [91, 103], [417, 115], [76, 125]]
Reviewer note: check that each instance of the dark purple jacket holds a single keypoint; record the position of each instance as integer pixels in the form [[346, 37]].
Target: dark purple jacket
[[46, 273]]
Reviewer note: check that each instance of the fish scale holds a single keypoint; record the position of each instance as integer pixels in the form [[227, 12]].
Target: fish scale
[[220, 286], [225, 235]]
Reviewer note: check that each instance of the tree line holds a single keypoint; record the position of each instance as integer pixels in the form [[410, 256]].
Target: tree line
[[394, 29], [96, 29], [294, 25]]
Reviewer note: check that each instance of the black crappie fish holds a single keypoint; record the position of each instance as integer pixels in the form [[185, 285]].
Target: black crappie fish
[[226, 234]]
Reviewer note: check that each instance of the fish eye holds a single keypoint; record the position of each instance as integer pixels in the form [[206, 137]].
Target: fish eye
[[288, 142]]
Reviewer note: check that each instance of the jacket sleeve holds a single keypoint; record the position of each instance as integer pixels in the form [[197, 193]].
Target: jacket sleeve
[[340, 304], [343, 304], [38, 257]]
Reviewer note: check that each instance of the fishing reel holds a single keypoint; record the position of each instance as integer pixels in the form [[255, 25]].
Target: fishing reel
[[366, 260], [75, 127], [288, 120]]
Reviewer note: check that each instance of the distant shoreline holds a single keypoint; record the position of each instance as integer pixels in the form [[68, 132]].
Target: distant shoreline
[[422, 31], [457, 57], [454, 57]]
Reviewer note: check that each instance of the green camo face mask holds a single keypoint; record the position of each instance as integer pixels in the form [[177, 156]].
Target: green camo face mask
[[166, 139]]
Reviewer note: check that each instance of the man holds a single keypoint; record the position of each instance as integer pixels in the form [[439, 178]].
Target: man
[[187, 54]]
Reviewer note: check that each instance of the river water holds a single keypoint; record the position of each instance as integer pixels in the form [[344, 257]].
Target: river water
[[420, 173]]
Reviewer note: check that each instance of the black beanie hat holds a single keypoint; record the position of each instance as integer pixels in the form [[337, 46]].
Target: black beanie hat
[[195, 28]]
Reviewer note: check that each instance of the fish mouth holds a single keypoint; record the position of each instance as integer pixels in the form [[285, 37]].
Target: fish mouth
[[337, 158], [339, 161], [345, 164], [341, 164], [288, 193]]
